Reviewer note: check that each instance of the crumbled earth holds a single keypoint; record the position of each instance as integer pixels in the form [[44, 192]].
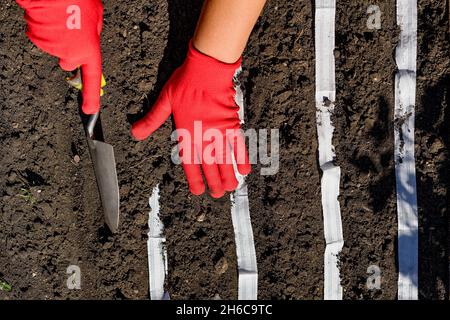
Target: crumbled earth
[[364, 141], [51, 216], [364, 147]]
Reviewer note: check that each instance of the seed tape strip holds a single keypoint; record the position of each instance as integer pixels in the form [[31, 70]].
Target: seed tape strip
[[243, 232], [157, 254], [405, 171], [245, 248], [405, 93], [325, 98]]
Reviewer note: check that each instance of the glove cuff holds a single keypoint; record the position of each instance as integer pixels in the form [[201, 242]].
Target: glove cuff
[[210, 67]]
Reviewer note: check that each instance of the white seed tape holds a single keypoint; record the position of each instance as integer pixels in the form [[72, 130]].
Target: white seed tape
[[243, 232], [405, 171], [325, 98], [157, 255], [245, 247]]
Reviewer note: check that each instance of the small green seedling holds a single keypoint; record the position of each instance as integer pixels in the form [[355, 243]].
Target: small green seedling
[[5, 286], [28, 196]]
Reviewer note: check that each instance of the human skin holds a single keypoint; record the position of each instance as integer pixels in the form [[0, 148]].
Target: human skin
[[201, 91], [225, 26]]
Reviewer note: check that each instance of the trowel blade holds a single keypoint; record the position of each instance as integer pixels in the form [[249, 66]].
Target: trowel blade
[[102, 155]]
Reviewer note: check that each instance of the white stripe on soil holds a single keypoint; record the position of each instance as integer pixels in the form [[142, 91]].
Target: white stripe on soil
[[405, 171], [157, 255], [245, 247], [243, 232], [325, 98]]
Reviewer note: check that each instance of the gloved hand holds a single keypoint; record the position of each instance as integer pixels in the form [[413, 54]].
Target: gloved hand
[[70, 30], [201, 96]]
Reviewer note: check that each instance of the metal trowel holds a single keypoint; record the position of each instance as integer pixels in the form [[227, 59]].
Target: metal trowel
[[102, 155]]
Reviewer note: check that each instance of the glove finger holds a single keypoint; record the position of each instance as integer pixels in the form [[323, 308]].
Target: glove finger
[[91, 76], [100, 18], [212, 176], [153, 119], [192, 169], [211, 171], [44, 43], [68, 65], [229, 181], [224, 159], [237, 142]]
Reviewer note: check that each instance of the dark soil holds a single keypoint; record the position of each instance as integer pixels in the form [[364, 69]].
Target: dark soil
[[364, 143], [432, 149], [51, 216], [364, 140]]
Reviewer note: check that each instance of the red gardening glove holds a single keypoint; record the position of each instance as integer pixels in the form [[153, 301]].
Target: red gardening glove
[[201, 96], [70, 30]]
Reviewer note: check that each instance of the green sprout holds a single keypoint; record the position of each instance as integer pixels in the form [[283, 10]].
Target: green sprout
[[5, 286], [28, 196]]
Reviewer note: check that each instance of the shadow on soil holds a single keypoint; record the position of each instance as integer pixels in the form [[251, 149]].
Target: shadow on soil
[[433, 191], [433, 122], [183, 17]]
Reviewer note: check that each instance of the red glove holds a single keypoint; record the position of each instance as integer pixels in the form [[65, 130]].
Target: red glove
[[201, 96], [70, 30]]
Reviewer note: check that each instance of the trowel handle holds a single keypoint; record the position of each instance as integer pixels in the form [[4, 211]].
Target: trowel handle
[[91, 124]]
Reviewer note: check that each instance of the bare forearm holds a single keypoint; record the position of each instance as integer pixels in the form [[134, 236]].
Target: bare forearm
[[225, 26]]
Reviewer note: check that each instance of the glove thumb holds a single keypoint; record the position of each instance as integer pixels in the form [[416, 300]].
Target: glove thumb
[[154, 119], [67, 65]]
